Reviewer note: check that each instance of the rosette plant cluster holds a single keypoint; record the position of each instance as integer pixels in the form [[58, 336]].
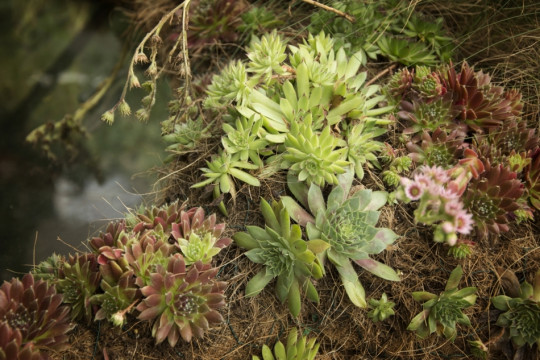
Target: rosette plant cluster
[[157, 264], [447, 116], [306, 108], [347, 224], [32, 319]]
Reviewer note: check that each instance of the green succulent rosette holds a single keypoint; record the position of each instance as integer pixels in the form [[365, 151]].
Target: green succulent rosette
[[285, 256], [443, 312], [347, 224], [521, 314]]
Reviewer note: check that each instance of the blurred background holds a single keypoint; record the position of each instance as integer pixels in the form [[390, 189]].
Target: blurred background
[[54, 55]]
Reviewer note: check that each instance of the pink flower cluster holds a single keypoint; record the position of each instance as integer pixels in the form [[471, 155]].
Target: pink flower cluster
[[439, 205]]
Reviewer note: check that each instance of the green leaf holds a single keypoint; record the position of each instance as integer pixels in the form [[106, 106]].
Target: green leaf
[[291, 340], [294, 301], [526, 290], [297, 213], [267, 353], [311, 292], [378, 200], [379, 269], [346, 106], [269, 215], [465, 292], [501, 302], [423, 296], [335, 199], [257, 233], [225, 183], [244, 240], [317, 246], [418, 324], [352, 285], [454, 279], [302, 80], [279, 351], [245, 177], [315, 199], [257, 283], [290, 93], [203, 183], [355, 61]]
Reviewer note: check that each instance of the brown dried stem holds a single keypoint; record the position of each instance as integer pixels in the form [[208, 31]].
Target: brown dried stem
[[328, 8]]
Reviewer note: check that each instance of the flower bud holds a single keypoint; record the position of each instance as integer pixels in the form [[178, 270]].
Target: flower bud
[[108, 116], [124, 108]]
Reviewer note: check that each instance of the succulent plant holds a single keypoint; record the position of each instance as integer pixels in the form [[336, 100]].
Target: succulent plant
[[362, 149], [512, 145], [159, 219], [230, 85], [242, 141], [380, 309], [114, 237], [442, 312], [479, 104], [187, 136], [400, 83], [199, 238], [31, 318], [296, 349], [266, 56], [119, 288], [313, 157], [438, 148], [146, 255], [286, 256], [48, 269], [222, 169], [78, 280], [427, 84], [405, 52], [182, 301], [347, 223], [521, 314], [430, 32], [478, 349], [422, 115], [398, 165], [492, 198]]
